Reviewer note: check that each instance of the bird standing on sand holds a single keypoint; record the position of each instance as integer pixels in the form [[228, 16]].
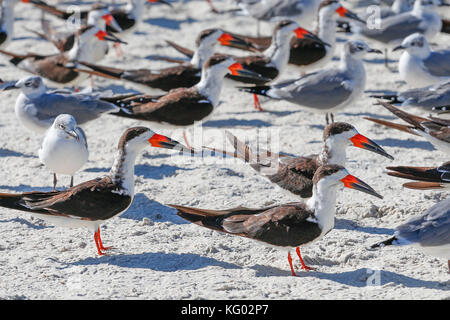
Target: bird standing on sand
[[64, 149]]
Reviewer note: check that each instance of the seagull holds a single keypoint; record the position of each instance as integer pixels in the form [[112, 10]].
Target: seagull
[[64, 149], [419, 66], [436, 131], [327, 90], [92, 203], [429, 232], [295, 173], [306, 53], [427, 177], [36, 107], [275, 10], [60, 68], [286, 226], [430, 98], [391, 31], [182, 107], [181, 76]]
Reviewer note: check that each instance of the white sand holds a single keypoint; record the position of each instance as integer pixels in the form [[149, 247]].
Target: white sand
[[164, 257]]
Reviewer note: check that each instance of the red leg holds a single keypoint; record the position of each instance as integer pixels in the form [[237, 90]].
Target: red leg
[[290, 263], [257, 103], [119, 51], [96, 237], [304, 266], [186, 140], [100, 241]]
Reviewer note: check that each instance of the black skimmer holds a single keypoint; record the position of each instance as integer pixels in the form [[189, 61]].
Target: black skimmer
[[327, 90], [60, 68], [430, 98], [426, 177], [36, 107], [429, 232], [285, 226], [273, 61], [98, 16], [64, 148], [308, 53], [92, 203], [295, 174], [436, 131], [419, 66], [183, 106], [181, 76]]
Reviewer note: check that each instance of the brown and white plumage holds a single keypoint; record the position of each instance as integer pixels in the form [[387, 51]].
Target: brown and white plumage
[[295, 174], [286, 226], [91, 203]]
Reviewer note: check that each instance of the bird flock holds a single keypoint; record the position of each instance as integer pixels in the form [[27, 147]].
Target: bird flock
[[305, 38]]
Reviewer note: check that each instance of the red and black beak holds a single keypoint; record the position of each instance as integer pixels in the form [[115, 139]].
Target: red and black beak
[[227, 39], [238, 70], [352, 182], [160, 141], [363, 142], [345, 13], [305, 34], [108, 36]]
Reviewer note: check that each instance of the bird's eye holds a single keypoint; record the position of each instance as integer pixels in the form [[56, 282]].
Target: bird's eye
[[28, 84], [62, 127]]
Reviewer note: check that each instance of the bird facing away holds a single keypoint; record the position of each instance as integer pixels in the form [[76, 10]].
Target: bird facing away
[[287, 226], [295, 174], [64, 148], [91, 203]]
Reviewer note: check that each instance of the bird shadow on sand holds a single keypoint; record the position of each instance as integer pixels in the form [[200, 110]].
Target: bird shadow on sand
[[158, 261], [144, 207], [157, 172], [407, 144], [373, 279], [346, 224], [26, 223], [27, 188], [12, 153], [168, 23]]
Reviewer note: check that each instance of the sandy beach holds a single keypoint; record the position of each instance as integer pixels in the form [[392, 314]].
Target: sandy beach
[[157, 254]]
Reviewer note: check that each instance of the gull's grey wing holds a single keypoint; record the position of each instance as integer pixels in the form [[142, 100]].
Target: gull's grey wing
[[319, 90], [432, 228], [403, 25], [82, 135], [438, 63], [427, 97], [82, 107]]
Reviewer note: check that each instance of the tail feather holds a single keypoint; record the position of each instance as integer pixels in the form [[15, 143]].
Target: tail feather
[[405, 116], [393, 98], [105, 72], [15, 58], [13, 201], [185, 51], [259, 90], [415, 173], [205, 218], [387, 242], [393, 125], [423, 185]]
